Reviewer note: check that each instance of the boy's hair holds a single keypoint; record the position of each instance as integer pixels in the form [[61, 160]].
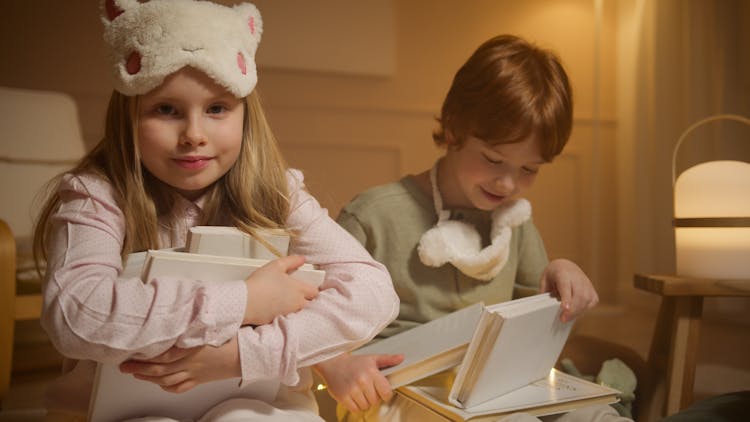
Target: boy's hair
[[507, 91], [252, 194]]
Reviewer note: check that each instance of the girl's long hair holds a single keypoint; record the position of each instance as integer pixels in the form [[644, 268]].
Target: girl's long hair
[[252, 195]]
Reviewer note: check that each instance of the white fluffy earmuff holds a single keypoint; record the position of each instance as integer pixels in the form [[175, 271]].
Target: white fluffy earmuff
[[458, 243]]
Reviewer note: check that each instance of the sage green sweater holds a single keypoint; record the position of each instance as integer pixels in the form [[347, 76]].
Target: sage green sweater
[[389, 221]]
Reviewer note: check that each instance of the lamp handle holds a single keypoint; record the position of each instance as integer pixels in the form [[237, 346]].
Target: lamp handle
[[701, 122]]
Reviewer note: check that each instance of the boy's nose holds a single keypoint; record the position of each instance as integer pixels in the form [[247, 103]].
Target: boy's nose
[[505, 183]]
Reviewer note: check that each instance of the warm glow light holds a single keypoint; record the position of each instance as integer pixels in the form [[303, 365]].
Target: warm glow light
[[320, 387], [707, 197], [713, 189], [713, 252]]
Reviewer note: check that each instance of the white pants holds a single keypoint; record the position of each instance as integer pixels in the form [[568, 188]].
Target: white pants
[[289, 406]]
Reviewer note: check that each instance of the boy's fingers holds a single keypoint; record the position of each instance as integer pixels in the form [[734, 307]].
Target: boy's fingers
[[543, 285]]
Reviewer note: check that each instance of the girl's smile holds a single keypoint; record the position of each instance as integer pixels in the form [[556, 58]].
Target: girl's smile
[[195, 163]]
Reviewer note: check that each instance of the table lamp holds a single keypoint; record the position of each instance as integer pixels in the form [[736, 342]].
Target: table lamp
[[712, 214]]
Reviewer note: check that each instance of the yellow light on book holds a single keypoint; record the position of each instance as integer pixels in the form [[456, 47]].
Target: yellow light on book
[[712, 218]]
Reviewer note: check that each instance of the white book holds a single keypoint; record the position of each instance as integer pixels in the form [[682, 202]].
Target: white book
[[428, 348], [556, 393], [166, 263], [514, 344], [117, 396], [231, 241]]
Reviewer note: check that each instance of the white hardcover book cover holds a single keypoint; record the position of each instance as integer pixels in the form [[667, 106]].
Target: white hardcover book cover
[[432, 339], [160, 263], [121, 396], [231, 241], [526, 348]]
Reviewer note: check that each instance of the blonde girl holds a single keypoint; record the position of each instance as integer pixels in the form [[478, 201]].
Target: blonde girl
[[186, 143]]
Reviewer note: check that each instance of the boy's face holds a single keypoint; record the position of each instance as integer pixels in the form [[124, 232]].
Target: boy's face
[[483, 176], [189, 131]]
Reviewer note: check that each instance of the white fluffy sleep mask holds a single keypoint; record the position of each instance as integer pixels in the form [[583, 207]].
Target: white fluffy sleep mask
[[149, 41], [460, 244]]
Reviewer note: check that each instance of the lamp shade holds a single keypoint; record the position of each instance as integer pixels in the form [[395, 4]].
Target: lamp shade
[[712, 220]]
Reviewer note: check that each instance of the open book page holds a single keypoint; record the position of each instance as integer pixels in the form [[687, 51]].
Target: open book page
[[121, 396], [556, 393], [428, 348], [231, 241], [515, 343]]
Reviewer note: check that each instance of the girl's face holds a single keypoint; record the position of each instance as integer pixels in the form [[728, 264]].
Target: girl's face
[[483, 176], [189, 131]]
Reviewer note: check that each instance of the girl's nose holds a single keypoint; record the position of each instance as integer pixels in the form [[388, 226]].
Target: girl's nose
[[193, 133]]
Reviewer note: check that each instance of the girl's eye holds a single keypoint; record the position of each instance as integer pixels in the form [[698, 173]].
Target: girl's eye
[[166, 110], [216, 109], [529, 170]]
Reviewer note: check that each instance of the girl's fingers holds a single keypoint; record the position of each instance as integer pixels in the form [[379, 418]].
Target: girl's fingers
[[166, 380], [384, 389], [372, 397], [359, 400], [289, 263], [385, 361], [349, 404]]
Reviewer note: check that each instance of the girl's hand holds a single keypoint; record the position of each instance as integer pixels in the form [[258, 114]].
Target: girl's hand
[[356, 381], [565, 280], [178, 370], [272, 292]]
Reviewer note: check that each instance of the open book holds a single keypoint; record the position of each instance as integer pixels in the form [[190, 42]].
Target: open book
[[117, 396], [496, 349], [428, 348], [556, 393], [514, 344]]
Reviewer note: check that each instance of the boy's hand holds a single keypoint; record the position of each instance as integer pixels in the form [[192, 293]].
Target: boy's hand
[[355, 381], [179, 370], [272, 292], [565, 280]]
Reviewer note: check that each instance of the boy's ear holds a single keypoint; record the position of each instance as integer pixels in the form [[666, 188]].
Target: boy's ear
[[451, 140]]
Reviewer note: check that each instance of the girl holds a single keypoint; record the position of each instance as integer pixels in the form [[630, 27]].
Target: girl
[[507, 114], [186, 144]]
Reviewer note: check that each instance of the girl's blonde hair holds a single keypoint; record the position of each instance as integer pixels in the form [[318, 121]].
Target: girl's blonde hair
[[253, 193]]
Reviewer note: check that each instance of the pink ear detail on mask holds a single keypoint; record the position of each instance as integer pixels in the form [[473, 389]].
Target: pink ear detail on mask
[[112, 10], [133, 64], [251, 24], [241, 63]]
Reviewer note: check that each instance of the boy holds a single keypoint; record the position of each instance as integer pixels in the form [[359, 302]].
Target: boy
[[508, 113]]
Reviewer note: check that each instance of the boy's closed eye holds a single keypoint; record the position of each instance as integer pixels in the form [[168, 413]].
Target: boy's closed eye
[[530, 170], [491, 160]]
